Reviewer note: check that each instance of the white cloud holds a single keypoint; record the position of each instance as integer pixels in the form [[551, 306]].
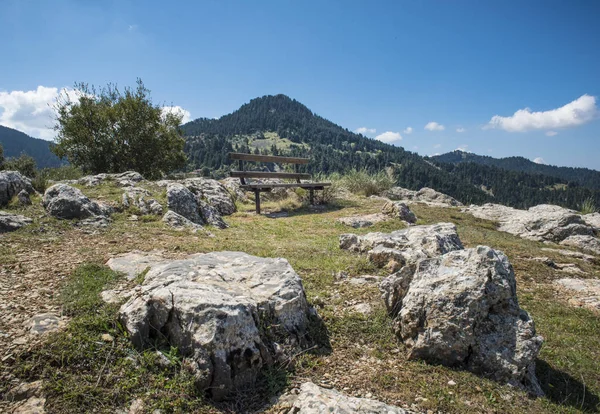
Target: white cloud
[[434, 126], [187, 116], [365, 130], [408, 131], [389, 137], [578, 112], [539, 160], [463, 148], [30, 111], [551, 133], [460, 130], [133, 27], [437, 145]]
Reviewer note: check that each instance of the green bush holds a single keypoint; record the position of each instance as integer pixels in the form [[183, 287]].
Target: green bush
[[64, 172], [367, 184], [23, 164], [588, 206]]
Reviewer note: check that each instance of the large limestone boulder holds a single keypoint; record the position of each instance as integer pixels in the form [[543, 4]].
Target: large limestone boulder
[[586, 243], [425, 195], [544, 222], [461, 309], [406, 246], [212, 192], [400, 211], [313, 399], [223, 311], [592, 219], [12, 222], [66, 202], [126, 179], [183, 202], [178, 222], [233, 185], [11, 183], [142, 199]]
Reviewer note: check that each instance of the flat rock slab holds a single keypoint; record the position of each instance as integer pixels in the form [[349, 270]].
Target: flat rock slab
[[544, 222], [313, 399], [585, 292], [577, 255], [135, 262], [586, 243], [366, 220], [425, 195], [223, 311], [126, 179], [45, 323], [11, 222]]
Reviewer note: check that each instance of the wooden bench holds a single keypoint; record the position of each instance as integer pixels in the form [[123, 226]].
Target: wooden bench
[[242, 174]]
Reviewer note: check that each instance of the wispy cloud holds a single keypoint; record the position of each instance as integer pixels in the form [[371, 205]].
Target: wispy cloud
[[551, 133], [132, 27], [434, 126], [365, 130], [578, 112], [460, 130], [408, 131], [463, 148], [437, 145], [539, 160], [389, 137]]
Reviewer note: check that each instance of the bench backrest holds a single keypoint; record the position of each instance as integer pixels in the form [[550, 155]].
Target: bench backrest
[[242, 173]]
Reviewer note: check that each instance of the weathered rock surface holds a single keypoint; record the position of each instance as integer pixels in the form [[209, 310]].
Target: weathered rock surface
[[586, 243], [405, 246], [233, 185], [461, 309], [544, 222], [399, 210], [24, 198], [313, 399], [178, 222], [30, 397], [44, 323], [366, 220], [209, 190], [583, 292], [577, 255], [593, 220], [135, 262], [140, 198], [425, 195], [66, 202], [12, 222], [126, 179], [214, 308], [183, 202], [211, 215], [11, 184]]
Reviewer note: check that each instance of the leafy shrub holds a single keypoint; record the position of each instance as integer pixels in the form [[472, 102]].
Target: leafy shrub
[[40, 183], [365, 183], [64, 172], [23, 164], [588, 206]]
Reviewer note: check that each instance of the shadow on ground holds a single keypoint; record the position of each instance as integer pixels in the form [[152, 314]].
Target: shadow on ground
[[561, 388]]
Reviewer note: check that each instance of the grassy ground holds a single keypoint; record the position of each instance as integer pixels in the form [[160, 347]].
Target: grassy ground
[[86, 370]]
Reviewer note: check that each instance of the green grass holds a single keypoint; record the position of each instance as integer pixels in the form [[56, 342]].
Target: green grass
[[359, 353]]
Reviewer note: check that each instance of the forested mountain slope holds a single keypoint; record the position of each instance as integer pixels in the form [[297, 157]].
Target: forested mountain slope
[[280, 125], [16, 143], [583, 176]]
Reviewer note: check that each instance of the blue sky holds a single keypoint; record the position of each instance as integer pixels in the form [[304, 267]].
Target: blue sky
[[383, 66]]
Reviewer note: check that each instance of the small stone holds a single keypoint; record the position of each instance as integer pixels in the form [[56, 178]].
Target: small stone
[[451, 383], [107, 337]]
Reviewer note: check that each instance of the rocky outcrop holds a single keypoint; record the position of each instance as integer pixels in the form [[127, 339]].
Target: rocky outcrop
[[24, 198], [425, 195], [12, 222], [577, 255], [592, 219], [366, 220], [233, 185], [11, 184], [399, 210], [544, 222], [142, 200], [209, 190], [223, 311], [461, 309], [586, 243], [178, 222], [313, 399], [65, 202], [406, 246], [183, 202], [126, 179], [134, 263]]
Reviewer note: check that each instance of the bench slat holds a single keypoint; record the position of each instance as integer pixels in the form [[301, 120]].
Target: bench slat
[[267, 158], [286, 185], [262, 174]]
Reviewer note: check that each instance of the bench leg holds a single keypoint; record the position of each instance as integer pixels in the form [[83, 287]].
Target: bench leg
[[312, 196], [257, 200]]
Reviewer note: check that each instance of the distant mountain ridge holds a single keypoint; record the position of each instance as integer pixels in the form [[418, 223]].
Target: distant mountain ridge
[[583, 176], [16, 143], [280, 125]]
